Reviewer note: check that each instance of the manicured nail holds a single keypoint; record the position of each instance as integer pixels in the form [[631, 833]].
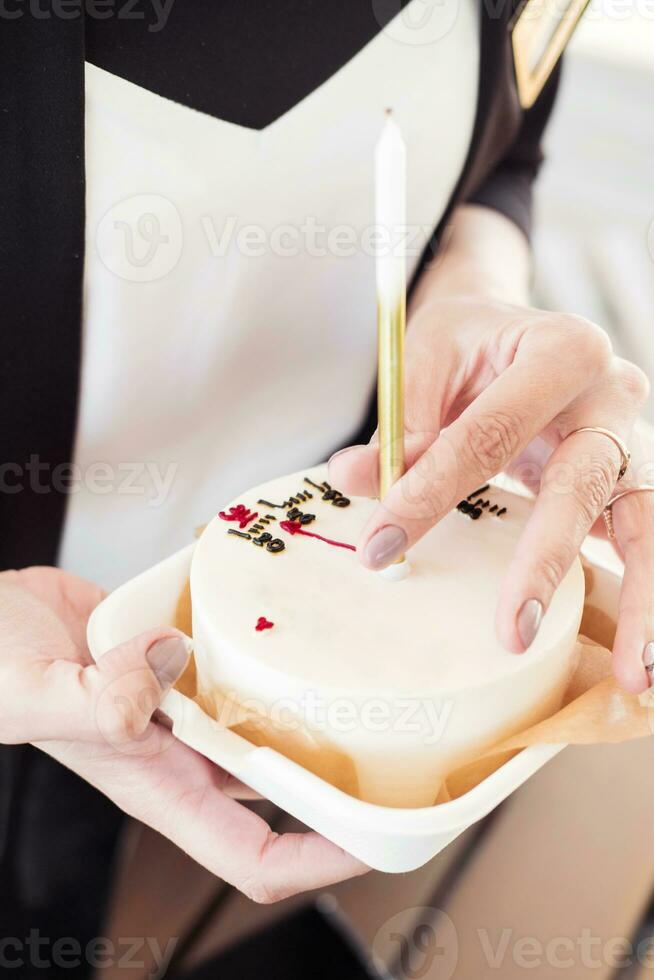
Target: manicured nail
[[648, 661], [341, 452], [167, 659], [528, 621], [385, 546]]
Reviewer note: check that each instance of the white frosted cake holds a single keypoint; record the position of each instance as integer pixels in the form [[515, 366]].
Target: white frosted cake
[[378, 686]]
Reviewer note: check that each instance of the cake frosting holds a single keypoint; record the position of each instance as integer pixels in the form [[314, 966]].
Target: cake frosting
[[378, 685]]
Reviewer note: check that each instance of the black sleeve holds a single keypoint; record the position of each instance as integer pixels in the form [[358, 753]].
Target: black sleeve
[[508, 187]]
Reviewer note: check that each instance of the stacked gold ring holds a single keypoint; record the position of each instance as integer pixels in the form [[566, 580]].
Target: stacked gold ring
[[615, 439], [625, 459], [608, 510]]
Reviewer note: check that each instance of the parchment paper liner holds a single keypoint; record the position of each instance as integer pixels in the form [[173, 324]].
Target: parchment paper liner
[[595, 710]]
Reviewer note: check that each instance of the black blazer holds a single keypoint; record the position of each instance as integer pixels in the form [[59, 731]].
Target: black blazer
[[42, 213]]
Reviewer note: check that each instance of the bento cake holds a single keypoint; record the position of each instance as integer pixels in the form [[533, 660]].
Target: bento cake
[[379, 686]]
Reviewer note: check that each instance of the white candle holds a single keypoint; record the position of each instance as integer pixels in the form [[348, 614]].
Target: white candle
[[390, 213]]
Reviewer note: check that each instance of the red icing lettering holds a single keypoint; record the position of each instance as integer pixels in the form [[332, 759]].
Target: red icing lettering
[[240, 514], [294, 527]]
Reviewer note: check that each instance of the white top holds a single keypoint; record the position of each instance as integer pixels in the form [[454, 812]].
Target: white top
[[229, 297]]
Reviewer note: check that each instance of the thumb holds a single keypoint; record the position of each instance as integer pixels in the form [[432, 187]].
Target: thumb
[[129, 682], [111, 701]]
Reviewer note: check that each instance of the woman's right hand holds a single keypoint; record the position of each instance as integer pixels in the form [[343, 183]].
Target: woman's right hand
[[96, 719]]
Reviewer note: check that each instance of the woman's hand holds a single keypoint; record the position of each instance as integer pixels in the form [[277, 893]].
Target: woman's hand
[[494, 386], [97, 720]]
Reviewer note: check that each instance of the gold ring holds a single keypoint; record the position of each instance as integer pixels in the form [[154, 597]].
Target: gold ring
[[608, 510], [625, 455]]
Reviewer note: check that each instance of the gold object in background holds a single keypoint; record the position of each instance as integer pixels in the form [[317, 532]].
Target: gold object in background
[[608, 510], [620, 444], [540, 34]]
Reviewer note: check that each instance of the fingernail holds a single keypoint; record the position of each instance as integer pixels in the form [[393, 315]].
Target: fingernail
[[341, 452], [528, 621], [648, 661], [385, 546], [167, 659]]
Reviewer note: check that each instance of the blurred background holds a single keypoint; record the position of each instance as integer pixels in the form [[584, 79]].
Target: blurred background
[[595, 200]]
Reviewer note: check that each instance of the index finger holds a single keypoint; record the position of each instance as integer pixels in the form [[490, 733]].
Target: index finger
[[482, 441]]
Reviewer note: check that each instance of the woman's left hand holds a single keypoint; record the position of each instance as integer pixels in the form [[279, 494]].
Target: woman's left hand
[[492, 387]]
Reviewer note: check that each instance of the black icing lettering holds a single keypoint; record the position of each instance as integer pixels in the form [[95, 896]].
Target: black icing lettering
[[294, 514], [262, 539]]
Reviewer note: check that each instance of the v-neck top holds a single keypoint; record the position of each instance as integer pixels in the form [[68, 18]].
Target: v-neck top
[[229, 325], [188, 284]]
